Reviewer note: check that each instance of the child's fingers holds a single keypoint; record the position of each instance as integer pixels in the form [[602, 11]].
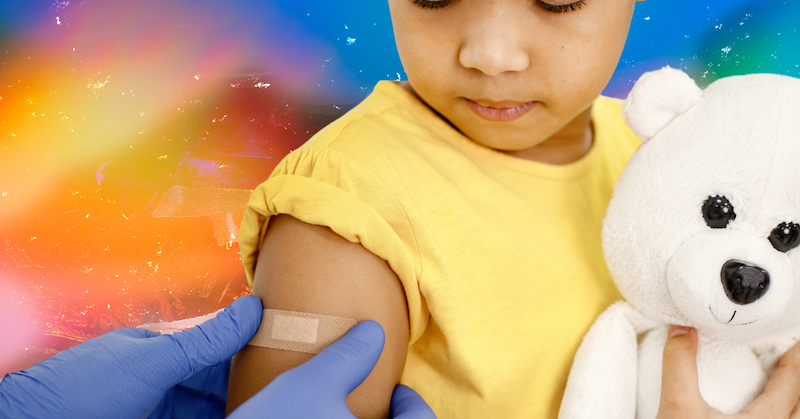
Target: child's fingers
[[796, 411], [680, 393], [780, 398]]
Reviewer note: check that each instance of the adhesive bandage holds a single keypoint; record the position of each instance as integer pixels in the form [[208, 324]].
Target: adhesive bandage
[[299, 332]]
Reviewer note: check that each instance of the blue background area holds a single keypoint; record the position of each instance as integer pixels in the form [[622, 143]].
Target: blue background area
[[711, 39], [706, 38]]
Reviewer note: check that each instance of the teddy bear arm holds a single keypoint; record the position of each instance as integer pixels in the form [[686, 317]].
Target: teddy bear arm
[[602, 381]]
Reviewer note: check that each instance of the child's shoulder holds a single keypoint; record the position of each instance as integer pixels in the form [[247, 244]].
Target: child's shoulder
[[389, 113], [388, 130], [392, 131]]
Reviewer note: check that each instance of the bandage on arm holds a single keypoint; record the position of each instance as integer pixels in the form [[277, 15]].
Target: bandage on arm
[[304, 268], [299, 332]]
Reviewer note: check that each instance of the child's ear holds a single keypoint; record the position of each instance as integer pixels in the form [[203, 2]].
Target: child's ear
[[657, 98]]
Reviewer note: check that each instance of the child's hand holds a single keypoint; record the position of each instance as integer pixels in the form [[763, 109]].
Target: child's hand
[[680, 393]]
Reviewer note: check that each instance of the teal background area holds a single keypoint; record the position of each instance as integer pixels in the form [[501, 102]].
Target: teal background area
[[711, 39]]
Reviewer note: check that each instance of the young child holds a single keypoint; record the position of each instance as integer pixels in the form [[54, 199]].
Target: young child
[[461, 209]]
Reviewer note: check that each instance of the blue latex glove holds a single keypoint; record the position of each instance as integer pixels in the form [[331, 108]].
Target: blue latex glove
[[127, 373], [131, 373], [202, 396], [319, 388]]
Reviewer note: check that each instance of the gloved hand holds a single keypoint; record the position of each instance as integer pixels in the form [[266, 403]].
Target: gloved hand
[[407, 404], [131, 373], [318, 388], [127, 373], [202, 396]]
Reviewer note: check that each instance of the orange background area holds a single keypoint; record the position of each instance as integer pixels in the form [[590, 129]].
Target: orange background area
[[131, 134]]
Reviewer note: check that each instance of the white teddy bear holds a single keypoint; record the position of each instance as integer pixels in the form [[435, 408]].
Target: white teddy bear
[[702, 231]]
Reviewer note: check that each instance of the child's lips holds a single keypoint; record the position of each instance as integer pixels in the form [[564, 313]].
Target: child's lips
[[500, 111]]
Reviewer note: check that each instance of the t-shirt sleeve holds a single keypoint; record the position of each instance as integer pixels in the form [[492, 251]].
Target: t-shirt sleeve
[[323, 186]]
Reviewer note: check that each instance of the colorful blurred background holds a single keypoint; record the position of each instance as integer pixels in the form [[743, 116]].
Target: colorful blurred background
[[131, 133]]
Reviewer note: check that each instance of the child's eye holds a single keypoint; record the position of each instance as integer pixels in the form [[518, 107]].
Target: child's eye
[[553, 8], [433, 4], [560, 8]]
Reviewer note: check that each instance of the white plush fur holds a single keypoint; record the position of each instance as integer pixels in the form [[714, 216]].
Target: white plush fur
[[739, 138]]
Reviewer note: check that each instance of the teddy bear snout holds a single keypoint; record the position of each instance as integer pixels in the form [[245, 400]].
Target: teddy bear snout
[[744, 283]]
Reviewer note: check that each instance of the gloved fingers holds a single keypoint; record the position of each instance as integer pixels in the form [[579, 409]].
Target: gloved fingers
[[215, 340], [407, 404], [346, 363], [133, 332], [203, 395], [210, 382]]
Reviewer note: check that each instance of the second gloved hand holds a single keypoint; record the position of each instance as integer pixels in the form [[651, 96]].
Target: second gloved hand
[[319, 388]]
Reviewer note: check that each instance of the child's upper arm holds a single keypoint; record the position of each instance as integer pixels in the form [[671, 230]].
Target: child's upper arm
[[311, 269]]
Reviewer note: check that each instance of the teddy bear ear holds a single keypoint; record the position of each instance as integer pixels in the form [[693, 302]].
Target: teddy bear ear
[[657, 98]]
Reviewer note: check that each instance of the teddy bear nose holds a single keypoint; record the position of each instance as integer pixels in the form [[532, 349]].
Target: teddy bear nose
[[744, 283]]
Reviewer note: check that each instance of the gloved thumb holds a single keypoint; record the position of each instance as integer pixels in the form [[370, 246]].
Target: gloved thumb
[[215, 340], [346, 363], [408, 404]]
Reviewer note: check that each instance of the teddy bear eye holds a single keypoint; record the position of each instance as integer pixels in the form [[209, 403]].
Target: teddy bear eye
[[718, 211], [785, 237]]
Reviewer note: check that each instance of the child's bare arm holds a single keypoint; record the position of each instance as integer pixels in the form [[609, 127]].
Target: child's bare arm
[[311, 269]]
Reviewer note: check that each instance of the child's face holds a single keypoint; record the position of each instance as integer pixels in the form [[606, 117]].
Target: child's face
[[466, 57]]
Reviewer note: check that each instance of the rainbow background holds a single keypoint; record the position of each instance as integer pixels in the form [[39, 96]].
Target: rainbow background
[[131, 133]]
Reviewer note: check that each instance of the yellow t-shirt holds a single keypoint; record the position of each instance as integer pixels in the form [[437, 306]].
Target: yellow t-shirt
[[500, 257]]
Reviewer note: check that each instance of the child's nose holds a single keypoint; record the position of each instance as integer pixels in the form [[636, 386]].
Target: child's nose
[[492, 44]]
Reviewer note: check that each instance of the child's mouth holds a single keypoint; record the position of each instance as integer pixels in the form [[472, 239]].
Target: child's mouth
[[500, 111]]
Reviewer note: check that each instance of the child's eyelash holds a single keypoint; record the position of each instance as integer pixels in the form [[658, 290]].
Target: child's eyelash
[[553, 8], [428, 4], [560, 8]]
